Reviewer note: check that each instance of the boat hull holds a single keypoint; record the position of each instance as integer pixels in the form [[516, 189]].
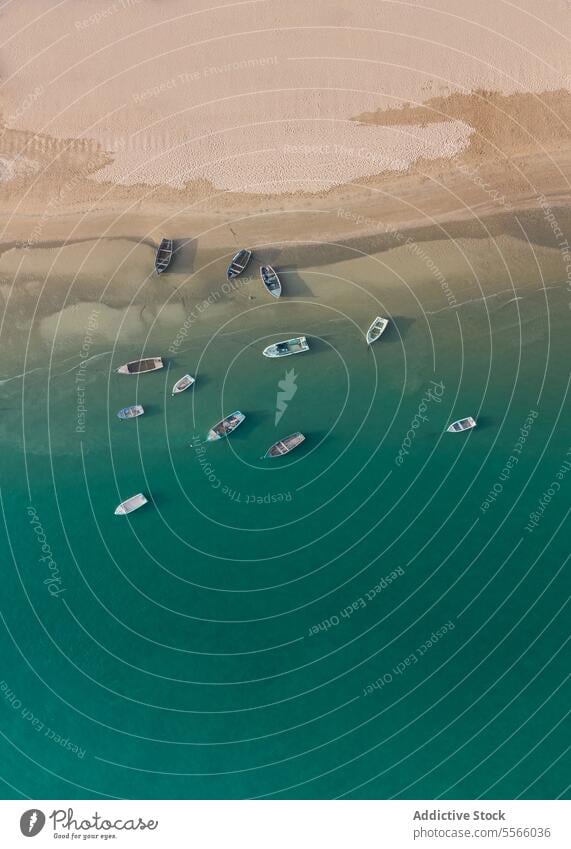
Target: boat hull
[[284, 446], [130, 412], [238, 264], [461, 425], [183, 384], [286, 348], [141, 366], [271, 281], [164, 255], [225, 427], [131, 504], [376, 329]]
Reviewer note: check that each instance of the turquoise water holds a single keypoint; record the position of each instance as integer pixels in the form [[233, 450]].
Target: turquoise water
[[368, 618]]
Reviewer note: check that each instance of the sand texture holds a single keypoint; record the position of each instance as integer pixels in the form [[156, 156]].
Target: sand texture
[[186, 117]]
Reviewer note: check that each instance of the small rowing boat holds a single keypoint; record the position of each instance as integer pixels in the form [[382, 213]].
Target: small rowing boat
[[164, 255], [285, 349], [284, 446], [462, 424], [376, 329], [271, 280], [182, 384], [130, 412], [130, 504], [239, 263], [141, 366], [226, 426]]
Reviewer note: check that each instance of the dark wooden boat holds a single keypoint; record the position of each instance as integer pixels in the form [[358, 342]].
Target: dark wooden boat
[[164, 255], [271, 280], [239, 263], [284, 446], [141, 366]]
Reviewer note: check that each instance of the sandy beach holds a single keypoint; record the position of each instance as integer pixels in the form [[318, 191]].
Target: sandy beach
[[135, 118], [316, 136]]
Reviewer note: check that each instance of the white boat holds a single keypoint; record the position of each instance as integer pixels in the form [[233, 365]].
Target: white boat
[[284, 446], [141, 366], [271, 280], [130, 412], [131, 504], [226, 426], [182, 384], [376, 329], [287, 348], [238, 263], [462, 424]]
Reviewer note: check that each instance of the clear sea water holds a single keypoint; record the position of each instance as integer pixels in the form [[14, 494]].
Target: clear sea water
[[381, 614]]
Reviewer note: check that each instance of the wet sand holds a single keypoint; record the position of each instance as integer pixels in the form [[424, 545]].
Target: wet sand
[[396, 161]]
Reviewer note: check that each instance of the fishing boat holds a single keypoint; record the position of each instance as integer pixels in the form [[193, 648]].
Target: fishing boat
[[141, 366], [130, 504], [239, 263], [462, 424], [271, 280], [287, 348], [130, 412], [226, 426], [376, 329], [182, 384], [284, 446], [164, 255]]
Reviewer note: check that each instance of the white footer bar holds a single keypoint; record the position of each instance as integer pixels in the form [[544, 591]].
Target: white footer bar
[[287, 824]]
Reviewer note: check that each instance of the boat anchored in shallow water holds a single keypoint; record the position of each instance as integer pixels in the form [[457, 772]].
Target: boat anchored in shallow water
[[287, 348], [141, 366], [130, 412], [238, 263], [131, 504], [184, 383], [376, 329], [284, 446], [462, 424], [271, 280], [226, 426], [164, 254]]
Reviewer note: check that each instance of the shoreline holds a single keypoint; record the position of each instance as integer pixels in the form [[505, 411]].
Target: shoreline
[[50, 291], [351, 232], [460, 191]]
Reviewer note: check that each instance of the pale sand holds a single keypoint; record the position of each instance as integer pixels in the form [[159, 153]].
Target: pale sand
[[236, 93], [138, 118]]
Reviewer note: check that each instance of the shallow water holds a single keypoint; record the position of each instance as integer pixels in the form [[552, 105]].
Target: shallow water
[[379, 614]]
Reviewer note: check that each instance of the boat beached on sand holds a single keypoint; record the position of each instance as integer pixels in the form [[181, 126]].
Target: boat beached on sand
[[376, 329], [130, 412], [130, 504], [284, 446], [164, 255], [271, 280], [285, 349], [238, 263], [182, 384], [226, 426], [462, 424], [141, 366]]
